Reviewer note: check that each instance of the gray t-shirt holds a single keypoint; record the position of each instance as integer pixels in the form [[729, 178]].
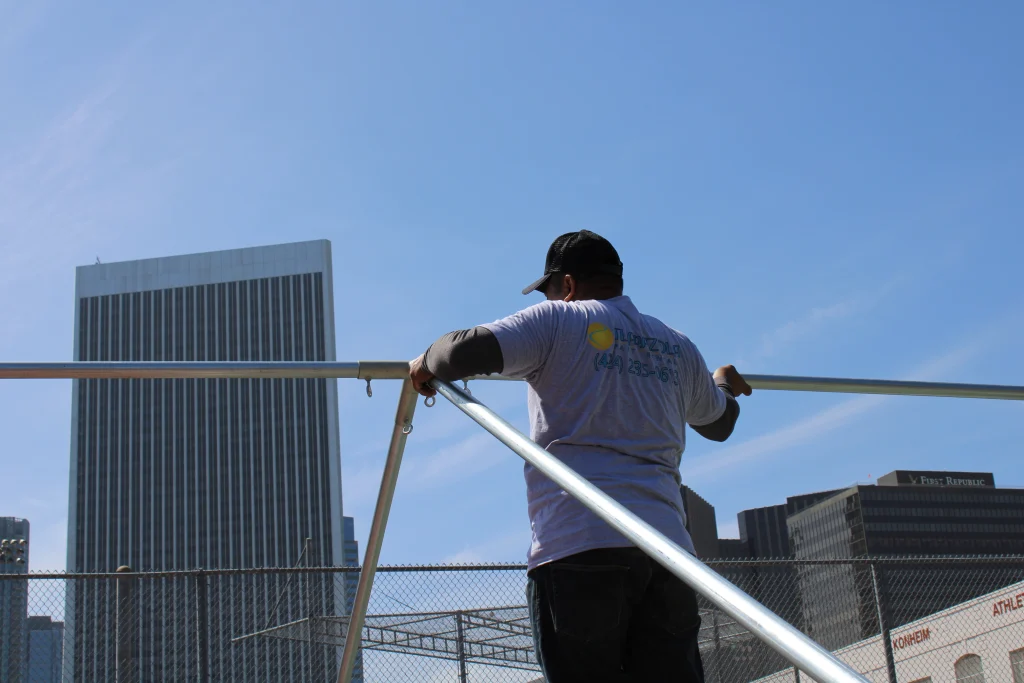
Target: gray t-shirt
[[610, 393]]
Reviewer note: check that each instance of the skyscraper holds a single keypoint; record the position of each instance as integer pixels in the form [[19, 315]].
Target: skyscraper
[[700, 522], [765, 534], [907, 514], [765, 530], [13, 602], [45, 650], [211, 473]]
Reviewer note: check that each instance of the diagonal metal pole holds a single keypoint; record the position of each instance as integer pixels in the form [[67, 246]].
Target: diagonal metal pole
[[403, 426], [759, 620]]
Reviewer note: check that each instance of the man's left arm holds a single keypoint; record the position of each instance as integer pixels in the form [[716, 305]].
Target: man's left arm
[[457, 355], [721, 429], [712, 408]]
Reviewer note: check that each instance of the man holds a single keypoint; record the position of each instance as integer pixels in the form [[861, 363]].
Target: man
[[610, 393]]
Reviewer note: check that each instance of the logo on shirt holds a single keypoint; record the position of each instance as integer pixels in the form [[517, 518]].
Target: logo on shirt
[[600, 337]]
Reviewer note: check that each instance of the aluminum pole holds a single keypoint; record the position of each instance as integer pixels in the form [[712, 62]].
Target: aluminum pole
[[179, 370], [403, 426], [884, 386], [762, 622], [400, 370]]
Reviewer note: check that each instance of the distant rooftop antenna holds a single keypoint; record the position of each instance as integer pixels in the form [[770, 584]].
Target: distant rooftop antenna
[[97, 260]]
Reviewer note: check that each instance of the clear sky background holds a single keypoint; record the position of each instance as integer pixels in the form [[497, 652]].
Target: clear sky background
[[811, 188]]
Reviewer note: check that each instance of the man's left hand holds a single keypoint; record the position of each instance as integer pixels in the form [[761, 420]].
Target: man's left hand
[[731, 376], [419, 375]]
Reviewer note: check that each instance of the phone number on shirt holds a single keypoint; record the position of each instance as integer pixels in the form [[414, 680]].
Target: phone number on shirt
[[615, 361]]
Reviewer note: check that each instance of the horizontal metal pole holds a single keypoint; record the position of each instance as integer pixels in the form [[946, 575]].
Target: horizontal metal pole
[[206, 370], [884, 386], [762, 622], [400, 370]]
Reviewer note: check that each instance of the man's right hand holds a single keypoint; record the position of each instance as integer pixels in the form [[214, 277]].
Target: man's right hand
[[728, 374], [420, 376]]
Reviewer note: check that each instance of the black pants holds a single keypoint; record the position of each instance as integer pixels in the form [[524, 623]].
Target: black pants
[[613, 615]]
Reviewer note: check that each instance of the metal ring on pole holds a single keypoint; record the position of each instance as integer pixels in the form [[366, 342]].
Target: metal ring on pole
[[465, 387], [369, 389], [407, 429], [429, 401]]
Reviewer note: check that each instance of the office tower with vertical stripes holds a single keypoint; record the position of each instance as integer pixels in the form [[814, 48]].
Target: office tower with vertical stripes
[[45, 648], [203, 473], [13, 601]]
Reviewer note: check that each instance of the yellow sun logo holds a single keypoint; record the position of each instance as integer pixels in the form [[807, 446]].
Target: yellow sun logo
[[600, 337]]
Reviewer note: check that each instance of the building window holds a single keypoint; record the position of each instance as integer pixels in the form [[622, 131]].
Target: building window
[[1017, 665], [968, 670]]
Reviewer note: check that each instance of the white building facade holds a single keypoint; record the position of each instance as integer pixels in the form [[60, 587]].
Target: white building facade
[[979, 641]]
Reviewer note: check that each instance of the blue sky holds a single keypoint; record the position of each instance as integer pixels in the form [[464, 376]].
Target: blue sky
[[830, 189]]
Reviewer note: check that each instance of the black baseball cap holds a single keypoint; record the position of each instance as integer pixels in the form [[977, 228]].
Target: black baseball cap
[[582, 254]]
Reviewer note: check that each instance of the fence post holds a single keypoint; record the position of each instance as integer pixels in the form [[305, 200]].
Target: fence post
[[309, 609], [460, 645], [883, 624], [718, 644], [127, 671], [202, 627]]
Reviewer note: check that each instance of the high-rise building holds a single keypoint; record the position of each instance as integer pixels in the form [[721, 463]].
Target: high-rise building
[[45, 650], [351, 556], [765, 536], [700, 522], [212, 473], [13, 600], [906, 514], [765, 530]]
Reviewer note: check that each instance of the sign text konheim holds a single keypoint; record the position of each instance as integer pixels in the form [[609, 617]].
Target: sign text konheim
[[913, 638]]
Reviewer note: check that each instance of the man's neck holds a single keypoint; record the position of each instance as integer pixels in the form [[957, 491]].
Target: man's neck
[[597, 297]]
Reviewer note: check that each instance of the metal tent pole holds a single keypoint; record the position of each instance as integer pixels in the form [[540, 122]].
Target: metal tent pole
[[762, 622], [400, 370], [884, 386], [403, 426]]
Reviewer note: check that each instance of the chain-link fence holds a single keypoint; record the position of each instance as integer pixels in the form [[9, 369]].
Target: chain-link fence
[[896, 620]]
